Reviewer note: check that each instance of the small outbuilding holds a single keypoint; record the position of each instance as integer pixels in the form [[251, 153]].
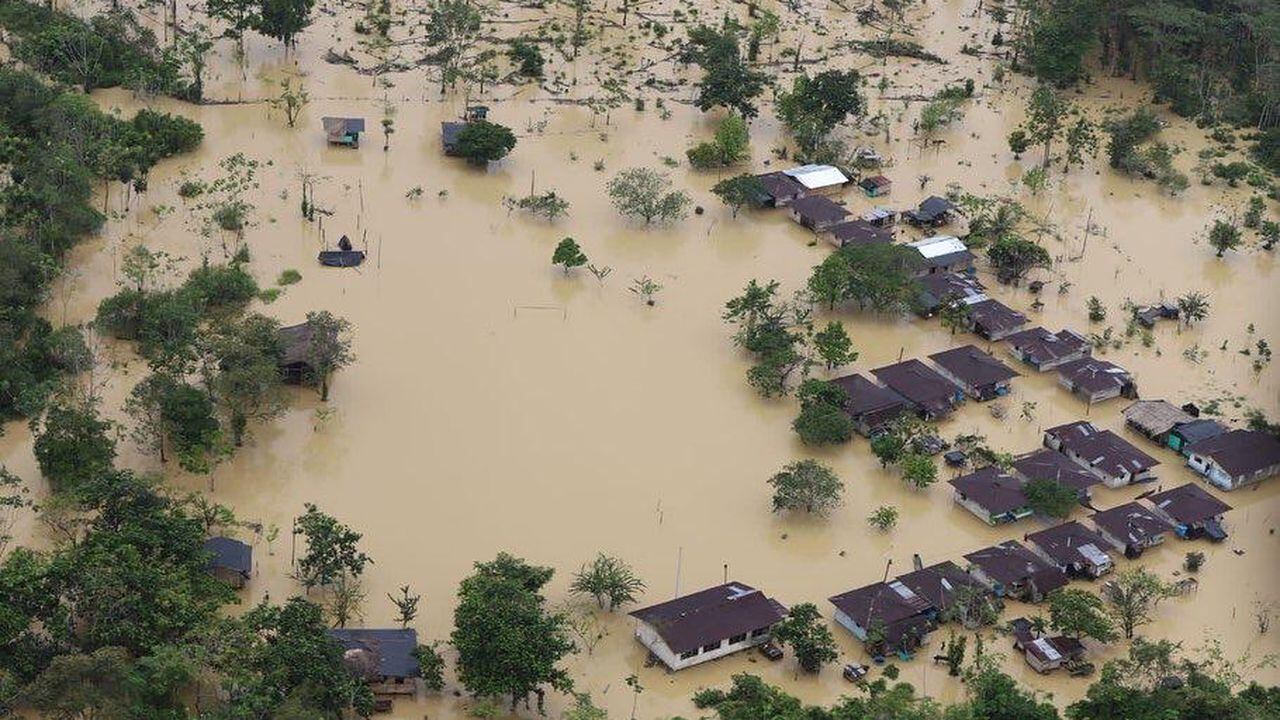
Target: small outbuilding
[[1074, 549], [942, 253], [1044, 350], [708, 624], [1094, 380], [876, 186], [1193, 511], [230, 560], [981, 376], [1116, 462], [295, 358], [871, 406], [384, 658], [881, 216], [1236, 458], [993, 320], [1011, 570], [451, 130], [993, 496], [934, 396], [1131, 528], [343, 130], [934, 211], [1185, 434], [817, 212], [1154, 419]]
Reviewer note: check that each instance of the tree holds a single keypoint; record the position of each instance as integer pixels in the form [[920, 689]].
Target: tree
[[1193, 307], [647, 194], [1224, 236], [243, 363], [883, 518], [291, 99], [482, 142], [569, 255], [346, 597], [1013, 257], [809, 638], [453, 27], [1019, 142], [507, 643], [1133, 595], [283, 19], [609, 580], [584, 709], [239, 15], [170, 413], [1097, 311], [1080, 613], [888, 448], [738, 191], [1050, 497], [834, 346], [919, 470], [430, 666], [548, 204], [95, 685], [328, 348], [74, 446], [822, 419], [727, 81], [1082, 141], [1046, 116], [816, 105], [729, 147], [646, 288], [953, 314], [332, 549], [878, 277], [406, 605], [806, 485]]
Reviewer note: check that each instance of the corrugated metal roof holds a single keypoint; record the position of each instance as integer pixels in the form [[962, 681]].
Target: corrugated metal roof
[[938, 246], [817, 176]]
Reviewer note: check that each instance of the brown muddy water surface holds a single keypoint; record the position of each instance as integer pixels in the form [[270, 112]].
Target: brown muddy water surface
[[498, 405]]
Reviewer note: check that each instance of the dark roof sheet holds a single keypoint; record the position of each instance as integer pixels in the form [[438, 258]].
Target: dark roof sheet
[[868, 397], [1189, 504], [691, 621], [994, 490], [1095, 375], [1041, 346], [342, 125], [939, 287], [1130, 523], [1063, 542], [860, 232], [780, 185], [875, 181], [933, 206], [818, 208], [1241, 452], [973, 366], [230, 554], [994, 316], [1010, 562], [938, 583], [919, 383], [1046, 464], [886, 603], [1059, 647], [392, 648], [1195, 431], [1102, 449]]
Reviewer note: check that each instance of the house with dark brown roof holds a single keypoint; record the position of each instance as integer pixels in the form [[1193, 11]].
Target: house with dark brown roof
[[981, 376], [780, 189], [381, 657], [887, 617], [938, 289], [938, 585], [994, 496], [1236, 458], [1046, 654], [1073, 548], [817, 212], [1011, 570], [1131, 528], [871, 406], [708, 624], [933, 211], [1044, 350], [859, 232], [1095, 379], [993, 320], [1154, 419], [1046, 464], [230, 560], [1193, 511], [1185, 434], [934, 396], [1102, 452]]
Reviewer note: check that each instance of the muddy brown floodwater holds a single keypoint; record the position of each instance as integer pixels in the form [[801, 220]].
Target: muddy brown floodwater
[[498, 405]]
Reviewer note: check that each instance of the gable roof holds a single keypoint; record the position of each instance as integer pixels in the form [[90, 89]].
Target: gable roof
[[1188, 504], [860, 232], [887, 603], [973, 366], [1041, 346], [1071, 542], [938, 246], [993, 490], [1046, 464], [818, 209], [780, 185], [937, 288], [1241, 452], [1199, 430], [1155, 417], [1094, 375], [1010, 562], [814, 177], [230, 554], [1054, 649], [993, 316], [938, 583], [919, 383], [338, 126], [875, 182], [1102, 449], [868, 397], [1131, 523], [931, 207], [691, 621], [391, 648]]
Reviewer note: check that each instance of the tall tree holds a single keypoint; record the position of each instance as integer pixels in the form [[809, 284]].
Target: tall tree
[[816, 105], [283, 19], [329, 348], [332, 549], [647, 194], [727, 80], [609, 580], [74, 446], [810, 639], [1080, 613], [806, 485], [1133, 595], [453, 27], [1046, 118], [242, 365]]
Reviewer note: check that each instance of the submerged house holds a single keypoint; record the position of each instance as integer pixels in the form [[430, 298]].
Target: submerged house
[[934, 211], [385, 658], [449, 131], [888, 617], [817, 212], [1192, 510], [939, 289], [1102, 452], [1074, 549], [818, 178], [343, 130], [881, 217], [942, 253], [1046, 464], [1131, 528], [872, 407], [994, 496], [780, 189], [876, 186], [934, 396], [993, 320], [1044, 350], [981, 376], [1236, 458], [1046, 654], [231, 561], [1185, 434], [708, 624], [1154, 419], [859, 232], [295, 358], [1011, 570], [1095, 380], [938, 584]]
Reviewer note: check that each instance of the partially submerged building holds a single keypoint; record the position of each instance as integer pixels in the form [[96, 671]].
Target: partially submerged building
[[817, 212], [1047, 464], [993, 320], [1094, 380], [1192, 510], [876, 186], [1155, 419], [1011, 570], [939, 585], [1044, 350], [934, 396], [1236, 458], [871, 406], [981, 376], [230, 560], [1185, 434], [888, 617], [939, 289], [295, 353], [708, 624], [942, 253], [384, 658], [993, 496], [818, 178], [859, 232], [450, 131], [1074, 549], [780, 189], [343, 130], [1046, 654], [1131, 528], [1102, 452], [933, 211]]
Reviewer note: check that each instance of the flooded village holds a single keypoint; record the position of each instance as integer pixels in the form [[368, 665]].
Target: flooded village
[[839, 383]]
